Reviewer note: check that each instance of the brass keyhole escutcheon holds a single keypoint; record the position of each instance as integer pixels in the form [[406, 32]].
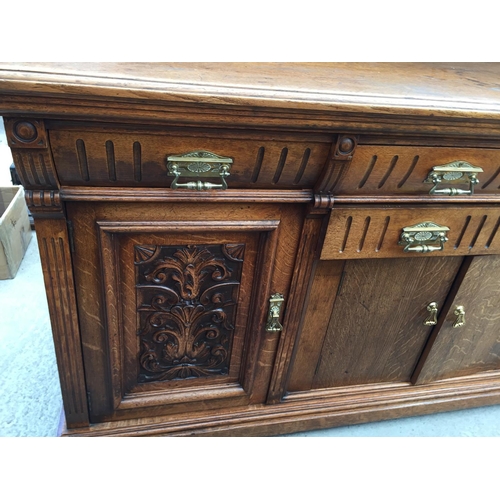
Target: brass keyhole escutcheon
[[273, 318]]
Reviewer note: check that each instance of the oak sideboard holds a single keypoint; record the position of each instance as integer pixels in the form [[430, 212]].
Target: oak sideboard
[[259, 249]]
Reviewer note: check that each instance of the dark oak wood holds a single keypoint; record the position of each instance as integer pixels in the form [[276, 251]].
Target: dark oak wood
[[107, 238], [402, 170], [128, 158], [159, 298], [316, 410], [475, 346], [327, 278], [167, 195], [362, 233], [411, 98], [55, 255], [375, 327], [310, 243], [310, 85]]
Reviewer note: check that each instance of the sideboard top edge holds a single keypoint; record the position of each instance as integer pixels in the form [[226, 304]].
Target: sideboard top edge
[[422, 89]]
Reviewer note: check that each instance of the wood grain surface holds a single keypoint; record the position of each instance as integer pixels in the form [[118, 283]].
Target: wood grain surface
[[329, 161], [361, 233], [375, 328], [416, 87], [403, 169], [105, 237], [474, 347], [264, 161]]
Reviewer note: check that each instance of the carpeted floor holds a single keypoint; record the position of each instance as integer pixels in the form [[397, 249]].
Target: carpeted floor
[[30, 395]]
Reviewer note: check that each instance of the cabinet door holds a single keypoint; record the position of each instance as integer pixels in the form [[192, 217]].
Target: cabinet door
[[457, 349], [173, 304], [365, 320]]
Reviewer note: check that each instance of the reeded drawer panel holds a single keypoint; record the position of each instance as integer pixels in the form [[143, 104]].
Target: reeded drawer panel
[[366, 233], [91, 158], [396, 170]]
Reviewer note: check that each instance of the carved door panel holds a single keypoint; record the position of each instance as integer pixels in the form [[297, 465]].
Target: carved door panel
[[179, 322], [366, 321], [467, 338]]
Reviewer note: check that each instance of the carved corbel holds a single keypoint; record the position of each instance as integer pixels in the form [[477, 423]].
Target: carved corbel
[[339, 160], [28, 141], [44, 204]]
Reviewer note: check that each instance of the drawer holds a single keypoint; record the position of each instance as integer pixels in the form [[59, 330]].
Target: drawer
[[398, 170], [363, 233], [91, 157]]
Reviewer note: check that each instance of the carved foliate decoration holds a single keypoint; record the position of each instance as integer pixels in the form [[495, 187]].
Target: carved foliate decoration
[[187, 298]]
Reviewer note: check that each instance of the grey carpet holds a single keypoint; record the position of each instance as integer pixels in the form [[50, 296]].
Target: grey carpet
[[30, 394]]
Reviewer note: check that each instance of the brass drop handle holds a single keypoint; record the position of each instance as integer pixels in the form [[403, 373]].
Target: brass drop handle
[[460, 314], [424, 237], [200, 164], [456, 171], [432, 318], [273, 324]]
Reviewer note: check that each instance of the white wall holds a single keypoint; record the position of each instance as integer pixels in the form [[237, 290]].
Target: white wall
[[5, 158]]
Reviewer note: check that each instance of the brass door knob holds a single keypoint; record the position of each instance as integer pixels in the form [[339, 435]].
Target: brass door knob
[[432, 318], [460, 314]]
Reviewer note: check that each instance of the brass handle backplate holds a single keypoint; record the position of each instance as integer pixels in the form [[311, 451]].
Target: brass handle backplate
[[200, 164], [273, 324], [456, 171], [424, 237], [460, 314], [432, 318]]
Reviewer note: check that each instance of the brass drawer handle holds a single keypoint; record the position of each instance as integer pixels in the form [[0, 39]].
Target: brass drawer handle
[[460, 314], [200, 164], [455, 171], [423, 237], [433, 310], [273, 324]]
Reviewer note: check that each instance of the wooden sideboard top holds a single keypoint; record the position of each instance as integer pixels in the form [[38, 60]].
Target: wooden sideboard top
[[403, 97], [426, 88]]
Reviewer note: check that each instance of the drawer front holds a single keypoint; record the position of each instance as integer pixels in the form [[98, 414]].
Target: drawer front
[[361, 233], [397, 170], [100, 158]]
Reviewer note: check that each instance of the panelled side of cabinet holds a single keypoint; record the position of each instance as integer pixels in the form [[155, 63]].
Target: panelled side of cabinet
[[55, 254], [30, 147]]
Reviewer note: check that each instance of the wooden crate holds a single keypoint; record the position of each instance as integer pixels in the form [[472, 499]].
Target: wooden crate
[[15, 230]]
